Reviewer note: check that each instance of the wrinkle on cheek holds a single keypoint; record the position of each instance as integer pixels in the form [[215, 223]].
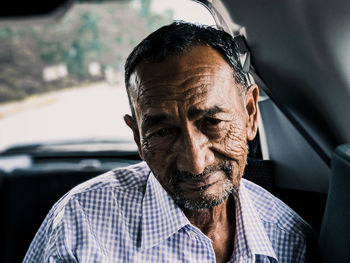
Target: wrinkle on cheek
[[147, 148], [233, 141], [152, 151], [234, 145], [158, 158]]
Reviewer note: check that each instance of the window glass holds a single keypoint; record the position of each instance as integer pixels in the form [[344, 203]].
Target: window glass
[[65, 81]]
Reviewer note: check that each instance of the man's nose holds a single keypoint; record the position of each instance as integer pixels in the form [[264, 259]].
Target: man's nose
[[195, 154]]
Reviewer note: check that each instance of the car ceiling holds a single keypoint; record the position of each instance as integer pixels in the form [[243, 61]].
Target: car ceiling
[[301, 51], [17, 9]]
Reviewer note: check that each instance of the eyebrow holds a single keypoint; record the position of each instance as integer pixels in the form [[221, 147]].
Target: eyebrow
[[194, 112], [152, 120]]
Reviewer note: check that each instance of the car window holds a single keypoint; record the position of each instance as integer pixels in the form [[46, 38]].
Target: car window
[[65, 80]]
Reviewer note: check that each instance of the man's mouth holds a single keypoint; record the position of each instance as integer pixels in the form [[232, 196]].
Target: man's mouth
[[200, 184]]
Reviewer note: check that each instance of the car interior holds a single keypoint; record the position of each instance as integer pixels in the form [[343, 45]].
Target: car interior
[[297, 52]]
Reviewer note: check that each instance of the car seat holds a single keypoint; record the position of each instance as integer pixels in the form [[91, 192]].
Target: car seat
[[334, 241]]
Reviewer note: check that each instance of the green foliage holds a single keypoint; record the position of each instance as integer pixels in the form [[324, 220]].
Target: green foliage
[[7, 94], [51, 52], [6, 33], [74, 51], [103, 33], [145, 10]]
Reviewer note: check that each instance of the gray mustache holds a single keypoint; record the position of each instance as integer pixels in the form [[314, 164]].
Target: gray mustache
[[184, 175]]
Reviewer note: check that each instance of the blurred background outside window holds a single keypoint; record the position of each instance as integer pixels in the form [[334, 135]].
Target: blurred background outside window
[[65, 81]]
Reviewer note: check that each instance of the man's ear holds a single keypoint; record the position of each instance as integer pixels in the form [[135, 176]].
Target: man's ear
[[251, 104], [131, 122]]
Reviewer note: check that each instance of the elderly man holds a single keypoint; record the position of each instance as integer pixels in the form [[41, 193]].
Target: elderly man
[[192, 114]]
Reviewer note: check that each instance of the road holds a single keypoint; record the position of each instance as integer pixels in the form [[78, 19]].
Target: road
[[95, 111]]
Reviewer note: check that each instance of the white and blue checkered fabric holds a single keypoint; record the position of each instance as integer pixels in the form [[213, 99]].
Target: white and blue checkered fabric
[[126, 216]]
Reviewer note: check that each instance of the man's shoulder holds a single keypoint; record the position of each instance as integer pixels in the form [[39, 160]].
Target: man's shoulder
[[130, 177], [119, 181], [110, 196], [272, 211]]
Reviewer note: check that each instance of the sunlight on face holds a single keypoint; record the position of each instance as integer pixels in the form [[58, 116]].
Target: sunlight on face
[[193, 126]]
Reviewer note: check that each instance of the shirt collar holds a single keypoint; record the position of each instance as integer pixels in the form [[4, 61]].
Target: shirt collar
[[251, 236], [161, 217]]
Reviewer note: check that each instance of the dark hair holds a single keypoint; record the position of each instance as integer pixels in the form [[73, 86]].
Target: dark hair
[[177, 38]]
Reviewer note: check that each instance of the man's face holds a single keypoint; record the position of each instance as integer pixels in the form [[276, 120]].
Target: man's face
[[192, 125]]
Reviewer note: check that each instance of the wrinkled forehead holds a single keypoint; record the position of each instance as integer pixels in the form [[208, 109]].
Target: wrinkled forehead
[[198, 55], [199, 72]]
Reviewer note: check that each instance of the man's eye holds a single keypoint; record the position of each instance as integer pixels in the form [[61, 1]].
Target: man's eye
[[162, 132], [212, 121]]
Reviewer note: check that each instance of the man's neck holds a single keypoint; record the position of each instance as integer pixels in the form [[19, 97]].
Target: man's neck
[[217, 223]]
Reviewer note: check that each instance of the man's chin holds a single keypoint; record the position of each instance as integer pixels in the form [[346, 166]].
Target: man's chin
[[200, 199], [204, 197]]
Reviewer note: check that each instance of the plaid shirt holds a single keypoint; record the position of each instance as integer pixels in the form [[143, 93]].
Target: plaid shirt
[[126, 216]]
